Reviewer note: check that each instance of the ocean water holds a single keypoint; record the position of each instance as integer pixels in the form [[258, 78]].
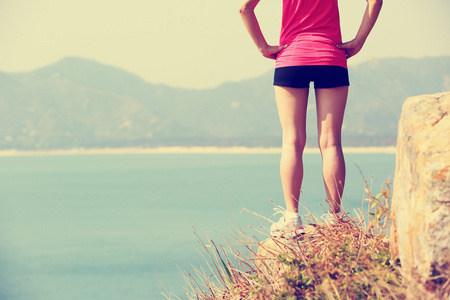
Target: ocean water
[[116, 226]]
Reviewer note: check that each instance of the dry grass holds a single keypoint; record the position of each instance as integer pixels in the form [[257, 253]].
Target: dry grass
[[347, 260]]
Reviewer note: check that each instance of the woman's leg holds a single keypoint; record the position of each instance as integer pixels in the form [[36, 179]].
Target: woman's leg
[[292, 103], [330, 105]]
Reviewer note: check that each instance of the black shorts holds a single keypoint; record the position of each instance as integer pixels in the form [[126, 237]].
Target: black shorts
[[300, 76]]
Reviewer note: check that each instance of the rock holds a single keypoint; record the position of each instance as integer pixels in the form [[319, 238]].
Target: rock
[[420, 235], [268, 251]]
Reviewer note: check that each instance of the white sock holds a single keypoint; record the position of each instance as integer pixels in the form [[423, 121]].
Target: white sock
[[291, 215]]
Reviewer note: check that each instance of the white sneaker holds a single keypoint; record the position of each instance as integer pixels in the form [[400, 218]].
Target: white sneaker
[[330, 218], [288, 229]]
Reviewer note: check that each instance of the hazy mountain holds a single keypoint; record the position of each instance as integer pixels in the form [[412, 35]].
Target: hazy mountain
[[82, 103]]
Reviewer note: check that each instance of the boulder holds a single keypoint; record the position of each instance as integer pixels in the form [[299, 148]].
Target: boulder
[[420, 234], [268, 251]]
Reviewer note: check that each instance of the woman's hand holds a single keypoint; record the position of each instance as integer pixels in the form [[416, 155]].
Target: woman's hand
[[351, 48], [271, 51]]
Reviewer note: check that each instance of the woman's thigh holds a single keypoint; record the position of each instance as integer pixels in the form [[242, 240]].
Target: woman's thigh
[[330, 105], [292, 104]]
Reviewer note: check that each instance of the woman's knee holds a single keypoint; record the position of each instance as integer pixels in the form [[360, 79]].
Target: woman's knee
[[329, 141], [298, 141]]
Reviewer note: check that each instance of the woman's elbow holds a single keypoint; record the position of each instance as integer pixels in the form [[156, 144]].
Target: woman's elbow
[[243, 9], [246, 7]]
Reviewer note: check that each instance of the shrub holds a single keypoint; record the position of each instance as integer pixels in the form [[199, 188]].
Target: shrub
[[346, 260]]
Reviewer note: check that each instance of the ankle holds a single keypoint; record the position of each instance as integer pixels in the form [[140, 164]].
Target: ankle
[[291, 215]]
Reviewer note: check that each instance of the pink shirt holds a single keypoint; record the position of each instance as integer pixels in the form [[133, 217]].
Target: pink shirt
[[311, 29]]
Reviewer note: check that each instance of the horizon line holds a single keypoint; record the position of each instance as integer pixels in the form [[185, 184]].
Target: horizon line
[[181, 150]]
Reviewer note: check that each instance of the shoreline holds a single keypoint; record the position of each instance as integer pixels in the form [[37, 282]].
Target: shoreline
[[181, 150]]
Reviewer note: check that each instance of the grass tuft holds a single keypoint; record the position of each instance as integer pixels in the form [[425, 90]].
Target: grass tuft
[[346, 260]]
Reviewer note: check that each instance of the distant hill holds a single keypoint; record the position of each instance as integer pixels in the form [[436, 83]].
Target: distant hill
[[82, 103]]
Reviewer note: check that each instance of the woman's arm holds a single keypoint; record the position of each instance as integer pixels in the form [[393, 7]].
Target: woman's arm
[[247, 11], [370, 17]]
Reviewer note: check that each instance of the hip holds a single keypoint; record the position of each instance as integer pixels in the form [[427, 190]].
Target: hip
[[310, 50]]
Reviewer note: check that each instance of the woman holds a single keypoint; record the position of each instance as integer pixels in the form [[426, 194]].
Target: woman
[[310, 49]]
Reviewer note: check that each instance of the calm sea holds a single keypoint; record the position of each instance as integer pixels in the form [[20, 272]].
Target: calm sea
[[109, 226]]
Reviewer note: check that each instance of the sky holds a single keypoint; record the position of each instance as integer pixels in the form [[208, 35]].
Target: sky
[[197, 43]]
